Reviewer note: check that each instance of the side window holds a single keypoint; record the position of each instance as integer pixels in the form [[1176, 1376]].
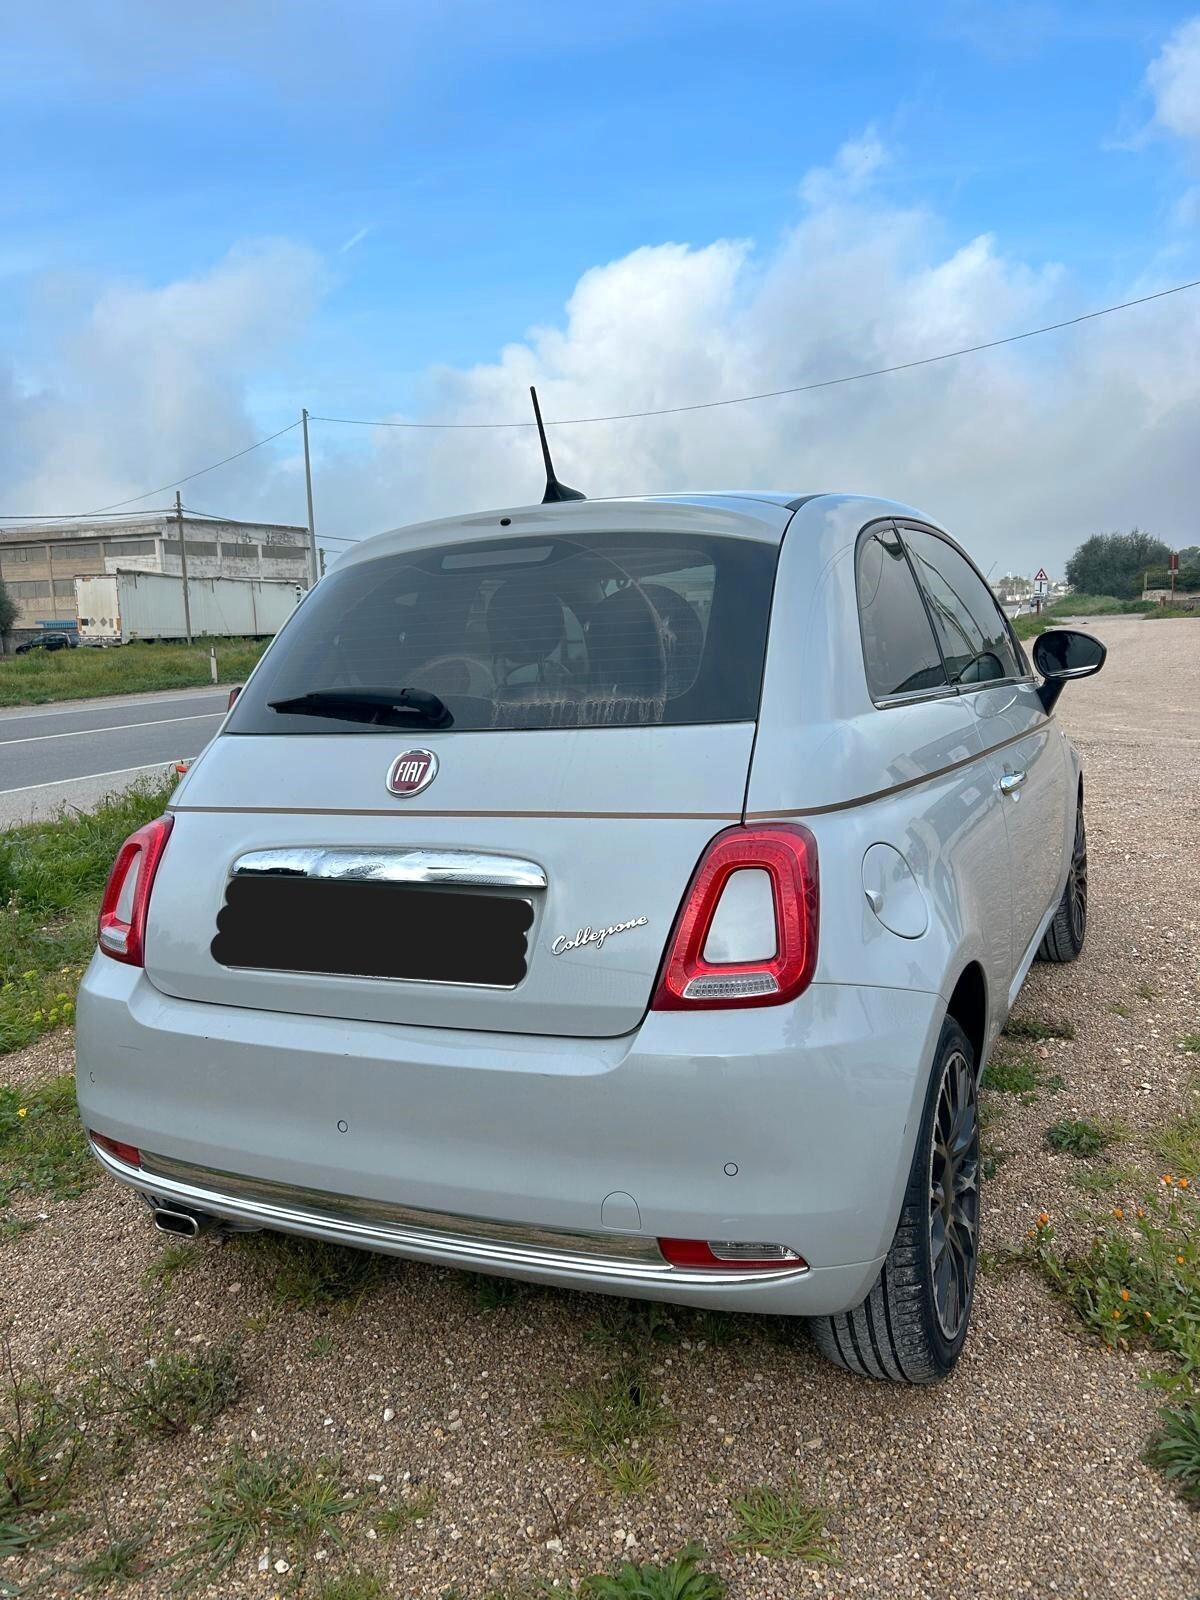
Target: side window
[[970, 625], [899, 650]]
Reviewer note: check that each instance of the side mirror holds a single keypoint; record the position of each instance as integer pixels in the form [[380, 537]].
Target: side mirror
[[1064, 653]]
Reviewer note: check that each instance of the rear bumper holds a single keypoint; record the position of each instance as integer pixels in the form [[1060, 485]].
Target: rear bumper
[[514, 1153]]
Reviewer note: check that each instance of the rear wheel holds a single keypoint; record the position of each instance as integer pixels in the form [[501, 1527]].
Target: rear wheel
[[913, 1324], [1064, 937]]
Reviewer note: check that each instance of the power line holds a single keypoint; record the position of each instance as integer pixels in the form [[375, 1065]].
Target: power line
[[200, 471], [800, 388], [78, 516]]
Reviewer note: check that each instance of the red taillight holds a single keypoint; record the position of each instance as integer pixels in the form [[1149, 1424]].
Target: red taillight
[[726, 1255], [121, 933], [689, 980], [128, 1153], [233, 694]]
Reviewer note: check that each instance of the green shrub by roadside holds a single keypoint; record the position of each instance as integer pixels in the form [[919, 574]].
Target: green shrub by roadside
[[168, 1392], [39, 1448], [1175, 1448], [52, 875], [1079, 1137], [44, 676], [683, 1579]]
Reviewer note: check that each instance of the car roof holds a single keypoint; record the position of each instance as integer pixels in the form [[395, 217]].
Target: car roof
[[747, 513]]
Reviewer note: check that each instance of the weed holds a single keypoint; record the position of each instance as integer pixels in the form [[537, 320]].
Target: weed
[[298, 1501], [682, 1580], [633, 1324], [1035, 1030], [351, 1586], [1012, 1074], [492, 1294], [1191, 1043], [1101, 1179], [1140, 1279], [628, 1473], [312, 1273], [992, 1160], [14, 1227], [1178, 1146], [320, 1346], [1175, 1448], [402, 1515], [1120, 1009], [1146, 991], [603, 1416], [1079, 1137], [167, 1265], [39, 1446], [42, 1145], [774, 1523], [169, 1393], [122, 1560]]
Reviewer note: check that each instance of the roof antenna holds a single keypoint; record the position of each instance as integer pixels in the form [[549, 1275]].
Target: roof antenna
[[554, 489]]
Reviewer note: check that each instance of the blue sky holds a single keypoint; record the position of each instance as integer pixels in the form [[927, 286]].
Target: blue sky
[[440, 179]]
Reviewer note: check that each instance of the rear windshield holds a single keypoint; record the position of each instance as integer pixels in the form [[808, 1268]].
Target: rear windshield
[[592, 631]]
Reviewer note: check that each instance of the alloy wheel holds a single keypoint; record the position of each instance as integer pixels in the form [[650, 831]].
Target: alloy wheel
[[1079, 881], [954, 1194]]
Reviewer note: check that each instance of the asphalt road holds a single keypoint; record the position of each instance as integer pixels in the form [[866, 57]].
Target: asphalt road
[[73, 754]]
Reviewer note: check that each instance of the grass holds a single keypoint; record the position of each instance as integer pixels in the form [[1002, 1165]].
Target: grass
[[42, 1145], [1101, 1179], [169, 1263], [1120, 1009], [174, 1392], [312, 1274], [609, 1419], [1175, 1448], [1079, 1137], [52, 875], [782, 1523], [297, 1502], [402, 1515], [683, 1579], [1013, 1074], [1178, 1146], [43, 676], [39, 1448], [1035, 1030], [351, 1586], [1191, 1043], [122, 1560]]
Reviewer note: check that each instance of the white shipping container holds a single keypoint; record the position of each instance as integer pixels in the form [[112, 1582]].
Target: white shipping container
[[123, 606]]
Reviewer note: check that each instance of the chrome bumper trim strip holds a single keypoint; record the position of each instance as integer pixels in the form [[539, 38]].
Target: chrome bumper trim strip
[[475, 868], [466, 1242]]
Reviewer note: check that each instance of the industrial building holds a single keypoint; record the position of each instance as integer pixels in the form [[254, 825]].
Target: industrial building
[[39, 562]]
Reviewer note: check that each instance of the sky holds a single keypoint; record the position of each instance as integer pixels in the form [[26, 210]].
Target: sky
[[213, 216]]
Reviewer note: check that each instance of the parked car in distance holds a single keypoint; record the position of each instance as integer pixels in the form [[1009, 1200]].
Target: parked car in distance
[[620, 895], [47, 641]]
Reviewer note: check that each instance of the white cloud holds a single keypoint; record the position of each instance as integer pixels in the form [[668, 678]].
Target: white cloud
[[1174, 80], [1022, 451]]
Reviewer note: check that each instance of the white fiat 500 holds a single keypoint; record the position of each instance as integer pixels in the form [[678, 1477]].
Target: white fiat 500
[[622, 895]]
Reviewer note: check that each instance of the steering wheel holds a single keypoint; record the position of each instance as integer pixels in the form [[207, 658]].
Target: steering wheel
[[475, 666]]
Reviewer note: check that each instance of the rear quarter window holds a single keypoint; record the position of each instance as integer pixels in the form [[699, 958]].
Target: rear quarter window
[[900, 653], [589, 631]]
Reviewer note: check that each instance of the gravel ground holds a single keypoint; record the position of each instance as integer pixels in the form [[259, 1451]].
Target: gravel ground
[[1020, 1476]]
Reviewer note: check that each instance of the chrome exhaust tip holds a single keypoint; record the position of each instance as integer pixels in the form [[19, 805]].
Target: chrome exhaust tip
[[182, 1224]]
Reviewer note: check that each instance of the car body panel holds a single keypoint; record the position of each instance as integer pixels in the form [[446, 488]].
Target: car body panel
[[531, 1107]]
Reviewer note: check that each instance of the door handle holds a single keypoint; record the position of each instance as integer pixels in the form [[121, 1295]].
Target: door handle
[[1011, 782]]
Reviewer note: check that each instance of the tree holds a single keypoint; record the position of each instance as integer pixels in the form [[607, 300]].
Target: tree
[[8, 610], [1113, 563]]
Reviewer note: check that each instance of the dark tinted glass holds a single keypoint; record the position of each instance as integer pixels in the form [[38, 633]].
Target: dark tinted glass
[[971, 628], [1065, 652], [899, 651], [591, 631]]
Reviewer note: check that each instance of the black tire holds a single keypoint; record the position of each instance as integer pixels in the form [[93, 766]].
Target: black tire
[[1065, 936], [912, 1326]]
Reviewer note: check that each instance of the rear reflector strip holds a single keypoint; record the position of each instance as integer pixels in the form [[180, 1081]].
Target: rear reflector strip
[[731, 1254], [128, 1153]]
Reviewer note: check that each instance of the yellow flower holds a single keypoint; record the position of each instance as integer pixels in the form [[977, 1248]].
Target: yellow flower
[[1182, 1260], [1167, 1179], [1118, 1213], [1184, 1183], [22, 1111], [1124, 1294], [1043, 1219], [1141, 1213], [1116, 1316]]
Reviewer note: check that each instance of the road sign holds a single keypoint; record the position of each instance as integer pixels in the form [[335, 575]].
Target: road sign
[[1041, 576], [1173, 561]]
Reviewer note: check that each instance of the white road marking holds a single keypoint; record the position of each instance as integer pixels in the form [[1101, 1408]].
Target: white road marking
[[116, 727], [105, 703], [87, 777]]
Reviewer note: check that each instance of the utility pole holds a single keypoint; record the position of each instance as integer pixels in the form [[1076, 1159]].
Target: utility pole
[[312, 527], [187, 599]]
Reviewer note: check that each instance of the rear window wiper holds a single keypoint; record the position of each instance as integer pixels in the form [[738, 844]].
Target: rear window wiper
[[369, 705]]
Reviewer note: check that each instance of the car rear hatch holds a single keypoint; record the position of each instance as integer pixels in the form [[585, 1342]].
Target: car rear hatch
[[469, 785]]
